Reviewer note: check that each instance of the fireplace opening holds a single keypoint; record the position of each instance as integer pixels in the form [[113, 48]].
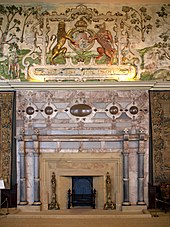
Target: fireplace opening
[[83, 193]]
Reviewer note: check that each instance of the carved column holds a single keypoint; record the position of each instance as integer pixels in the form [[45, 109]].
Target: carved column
[[141, 153], [36, 169], [126, 169], [22, 152]]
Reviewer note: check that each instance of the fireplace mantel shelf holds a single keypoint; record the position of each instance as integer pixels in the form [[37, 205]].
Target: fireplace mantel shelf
[[128, 85], [62, 138]]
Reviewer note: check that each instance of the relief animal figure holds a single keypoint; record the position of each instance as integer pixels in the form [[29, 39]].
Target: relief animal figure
[[62, 36], [105, 39]]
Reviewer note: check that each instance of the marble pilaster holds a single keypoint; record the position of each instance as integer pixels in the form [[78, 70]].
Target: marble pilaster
[[140, 179], [126, 169], [23, 194], [36, 154]]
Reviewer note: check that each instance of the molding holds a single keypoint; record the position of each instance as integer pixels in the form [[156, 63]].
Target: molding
[[73, 138], [135, 85], [161, 86]]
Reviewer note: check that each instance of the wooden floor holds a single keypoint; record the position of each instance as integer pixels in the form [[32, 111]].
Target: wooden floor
[[85, 218]]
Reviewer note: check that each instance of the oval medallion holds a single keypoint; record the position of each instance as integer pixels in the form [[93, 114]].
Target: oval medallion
[[113, 110], [30, 110], [48, 110], [80, 110], [133, 110]]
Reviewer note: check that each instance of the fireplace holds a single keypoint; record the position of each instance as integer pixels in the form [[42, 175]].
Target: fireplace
[[109, 134], [78, 166]]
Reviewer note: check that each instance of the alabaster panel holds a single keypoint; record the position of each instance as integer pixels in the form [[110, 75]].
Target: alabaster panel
[[133, 164], [70, 145], [48, 145], [30, 177]]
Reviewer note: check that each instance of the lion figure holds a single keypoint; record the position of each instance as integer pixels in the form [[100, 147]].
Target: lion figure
[[62, 36], [105, 39]]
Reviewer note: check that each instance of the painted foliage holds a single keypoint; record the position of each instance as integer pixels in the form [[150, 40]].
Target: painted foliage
[[78, 42]]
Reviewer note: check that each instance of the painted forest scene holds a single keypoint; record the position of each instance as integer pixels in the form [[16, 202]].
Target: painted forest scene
[[81, 43]]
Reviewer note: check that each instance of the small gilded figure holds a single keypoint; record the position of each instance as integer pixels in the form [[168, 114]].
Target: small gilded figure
[[109, 204], [53, 205]]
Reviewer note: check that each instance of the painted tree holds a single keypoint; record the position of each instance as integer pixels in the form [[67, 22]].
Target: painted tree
[[164, 22], [27, 12], [13, 21], [139, 19], [9, 26]]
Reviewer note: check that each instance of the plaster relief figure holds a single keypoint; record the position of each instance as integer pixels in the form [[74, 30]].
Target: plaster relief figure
[[62, 36], [13, 66], [105, 39]]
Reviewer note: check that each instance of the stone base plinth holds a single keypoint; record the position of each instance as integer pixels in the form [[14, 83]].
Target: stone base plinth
[[29, 208], [133, 208]]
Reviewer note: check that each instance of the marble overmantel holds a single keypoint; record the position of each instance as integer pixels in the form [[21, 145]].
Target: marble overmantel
[[115, 135]]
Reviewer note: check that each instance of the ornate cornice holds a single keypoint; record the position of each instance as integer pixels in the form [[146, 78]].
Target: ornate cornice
[[14, 86]]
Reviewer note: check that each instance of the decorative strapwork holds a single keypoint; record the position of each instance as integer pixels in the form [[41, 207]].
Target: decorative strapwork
[[81, 73], [54, 204], [109, 204]]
